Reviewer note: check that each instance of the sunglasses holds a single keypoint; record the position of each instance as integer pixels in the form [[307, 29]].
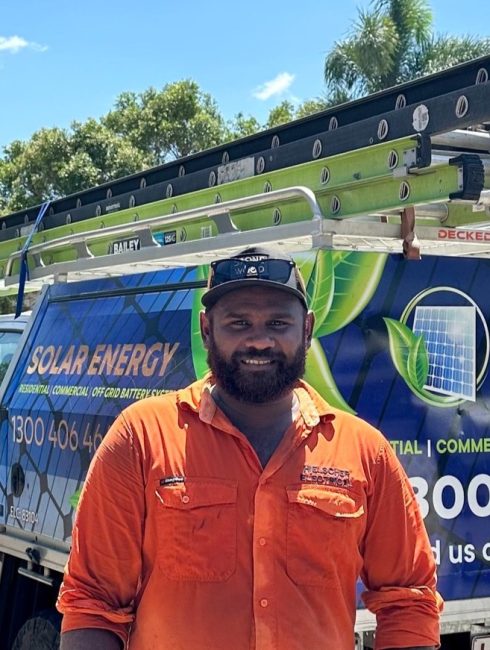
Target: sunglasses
[[236, 269]]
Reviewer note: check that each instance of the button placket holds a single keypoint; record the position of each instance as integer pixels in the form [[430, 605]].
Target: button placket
[[264, 567]]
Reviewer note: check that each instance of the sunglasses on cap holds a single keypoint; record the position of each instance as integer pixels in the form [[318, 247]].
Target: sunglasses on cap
[[274, 270]]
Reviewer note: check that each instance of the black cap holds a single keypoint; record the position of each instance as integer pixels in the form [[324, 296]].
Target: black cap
[[263, 268]]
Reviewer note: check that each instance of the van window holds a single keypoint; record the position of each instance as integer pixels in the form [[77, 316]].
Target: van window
[[8, 344]]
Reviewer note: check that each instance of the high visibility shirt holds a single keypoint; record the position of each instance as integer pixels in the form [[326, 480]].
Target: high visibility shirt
[[182, 540]]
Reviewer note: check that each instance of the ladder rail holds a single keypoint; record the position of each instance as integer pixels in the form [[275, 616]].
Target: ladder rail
[[293, 238], [220, 213], [459, 178]]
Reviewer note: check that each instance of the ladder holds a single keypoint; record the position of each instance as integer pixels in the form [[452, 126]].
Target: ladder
[[402, 171]]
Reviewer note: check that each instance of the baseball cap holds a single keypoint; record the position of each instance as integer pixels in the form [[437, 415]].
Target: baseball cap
[[254, 267]]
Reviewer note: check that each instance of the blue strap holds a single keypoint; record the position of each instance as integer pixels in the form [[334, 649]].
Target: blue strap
[[24, 267]]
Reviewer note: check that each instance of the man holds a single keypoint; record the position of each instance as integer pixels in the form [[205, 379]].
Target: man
[[238, 513]]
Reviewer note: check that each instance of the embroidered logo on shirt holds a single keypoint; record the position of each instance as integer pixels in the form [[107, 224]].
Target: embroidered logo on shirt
[[172, 480], [326, 476]]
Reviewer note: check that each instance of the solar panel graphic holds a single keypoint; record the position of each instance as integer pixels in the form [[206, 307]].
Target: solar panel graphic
[[450, 338]]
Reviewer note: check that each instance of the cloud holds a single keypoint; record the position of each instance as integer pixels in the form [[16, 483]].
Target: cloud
[[275, 86], [12, 44], [15, 44]]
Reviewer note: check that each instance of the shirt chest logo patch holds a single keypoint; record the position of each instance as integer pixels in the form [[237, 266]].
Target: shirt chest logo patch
[[333, 476], [172, 480]]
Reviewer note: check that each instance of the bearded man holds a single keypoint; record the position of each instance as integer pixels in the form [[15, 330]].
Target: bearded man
[[239, 512]]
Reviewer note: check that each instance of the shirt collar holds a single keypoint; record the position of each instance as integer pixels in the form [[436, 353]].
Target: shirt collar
[[198, 397]]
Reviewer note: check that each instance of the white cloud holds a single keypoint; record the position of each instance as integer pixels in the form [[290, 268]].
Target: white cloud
[[14, 44], [38, 47], [275, 86]]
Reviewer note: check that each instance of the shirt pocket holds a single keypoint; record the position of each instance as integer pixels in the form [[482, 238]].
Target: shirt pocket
[[197, 524], [324, 529]]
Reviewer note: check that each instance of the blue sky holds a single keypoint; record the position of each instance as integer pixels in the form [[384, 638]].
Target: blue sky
[[61, 61]]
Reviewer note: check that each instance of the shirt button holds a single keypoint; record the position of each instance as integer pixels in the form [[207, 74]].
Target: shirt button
[[262, 541], [264, 602], [185, 499]]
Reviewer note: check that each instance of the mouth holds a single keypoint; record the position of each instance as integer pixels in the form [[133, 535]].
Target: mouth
[[257, 363]]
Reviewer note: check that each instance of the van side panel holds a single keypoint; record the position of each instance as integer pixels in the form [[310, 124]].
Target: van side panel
[[403, 344], [87, 358]]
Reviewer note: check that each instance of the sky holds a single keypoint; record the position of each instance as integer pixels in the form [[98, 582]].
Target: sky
[[62, 61]]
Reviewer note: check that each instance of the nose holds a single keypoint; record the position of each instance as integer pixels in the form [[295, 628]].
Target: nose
[[259, 339]]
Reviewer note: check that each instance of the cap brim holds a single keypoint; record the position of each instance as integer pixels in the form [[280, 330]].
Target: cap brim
[[213, 295]]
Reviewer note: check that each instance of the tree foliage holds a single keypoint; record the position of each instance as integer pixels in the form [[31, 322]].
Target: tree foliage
[[390, 43], [280, 114], [57, 162], [170, 123], [284, 112], [141, 131], [243, 125]]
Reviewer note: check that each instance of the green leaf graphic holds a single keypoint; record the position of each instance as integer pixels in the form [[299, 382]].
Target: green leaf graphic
[[418, 363], [199, 354], [319, 376], [357, 276], [402, 340], [75, 498], [320, 288], [305, 262], [408, 357]]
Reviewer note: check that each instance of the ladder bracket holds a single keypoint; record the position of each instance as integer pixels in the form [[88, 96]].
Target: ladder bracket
[[145, 237], [82, 251], [224, 222], [411, 246]]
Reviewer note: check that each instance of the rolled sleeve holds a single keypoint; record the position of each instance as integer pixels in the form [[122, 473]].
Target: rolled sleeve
[[103, 571], [399, 568]]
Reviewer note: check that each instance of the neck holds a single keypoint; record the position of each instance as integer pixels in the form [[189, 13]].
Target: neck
[[254, 412]]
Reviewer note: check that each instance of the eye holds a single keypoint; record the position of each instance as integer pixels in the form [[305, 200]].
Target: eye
[[239, 324], [277, 324]]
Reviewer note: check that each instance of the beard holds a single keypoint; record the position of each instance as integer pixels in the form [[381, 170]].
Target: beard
[[257, 386]]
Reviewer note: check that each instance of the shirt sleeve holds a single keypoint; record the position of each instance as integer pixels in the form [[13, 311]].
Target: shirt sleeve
[[103, 570], [399, 568]]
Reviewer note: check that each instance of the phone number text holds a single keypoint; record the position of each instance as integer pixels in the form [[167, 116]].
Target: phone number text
[[61, 434]]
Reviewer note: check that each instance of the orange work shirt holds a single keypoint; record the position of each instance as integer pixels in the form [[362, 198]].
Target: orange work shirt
[[183, 541]]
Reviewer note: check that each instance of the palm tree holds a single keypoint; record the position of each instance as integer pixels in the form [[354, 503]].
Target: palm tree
[[391, 43]]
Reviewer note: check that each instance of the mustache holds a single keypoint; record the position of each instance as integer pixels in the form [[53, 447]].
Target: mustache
[[259, 354]]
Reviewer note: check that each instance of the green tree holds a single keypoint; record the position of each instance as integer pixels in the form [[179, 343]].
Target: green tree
[[242, 126], [391, 43], [7, 306], [311, 106], [170, 123], [286, 111], [280, 114], [141, 131], [30, 169], [103, 154], [442, 51], [57, 162]]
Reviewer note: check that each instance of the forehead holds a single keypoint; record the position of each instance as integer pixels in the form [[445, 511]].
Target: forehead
[[266, 299]]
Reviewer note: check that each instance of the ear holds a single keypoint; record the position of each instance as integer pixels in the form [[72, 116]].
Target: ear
[[309, 323], [205, 326]]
